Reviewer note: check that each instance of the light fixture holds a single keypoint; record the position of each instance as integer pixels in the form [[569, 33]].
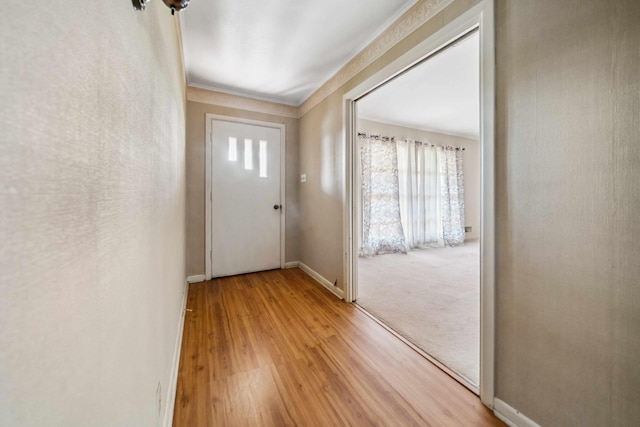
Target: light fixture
[[174, 5]]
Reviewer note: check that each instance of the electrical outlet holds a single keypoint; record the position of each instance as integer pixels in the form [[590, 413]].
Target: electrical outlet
[[467, 229]]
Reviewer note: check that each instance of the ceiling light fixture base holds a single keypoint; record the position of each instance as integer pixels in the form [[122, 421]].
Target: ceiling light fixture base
[[174, 5]]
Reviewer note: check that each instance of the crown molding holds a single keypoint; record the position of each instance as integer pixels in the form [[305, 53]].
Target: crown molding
[[409, 22], [243, 93], [214, 97]]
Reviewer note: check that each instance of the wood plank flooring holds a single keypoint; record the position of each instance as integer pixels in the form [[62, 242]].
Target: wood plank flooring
[[277, 349]]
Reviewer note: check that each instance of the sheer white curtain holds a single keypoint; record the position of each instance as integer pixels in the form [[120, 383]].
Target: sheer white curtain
[[412, 195], [420, 194], [452, 191], [381, 226]]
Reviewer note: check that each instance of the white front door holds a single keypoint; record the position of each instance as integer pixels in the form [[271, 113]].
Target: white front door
[[245, 198]]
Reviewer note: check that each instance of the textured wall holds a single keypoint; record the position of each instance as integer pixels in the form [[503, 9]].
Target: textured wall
[[322, 158], [568, 198], [196, 128], [470, 165], [92, 196]]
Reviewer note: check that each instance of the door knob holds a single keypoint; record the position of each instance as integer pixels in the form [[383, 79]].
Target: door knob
[[277, 206]]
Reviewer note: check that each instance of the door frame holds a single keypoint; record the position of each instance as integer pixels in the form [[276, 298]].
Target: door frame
[[208, 193], [480, 16]]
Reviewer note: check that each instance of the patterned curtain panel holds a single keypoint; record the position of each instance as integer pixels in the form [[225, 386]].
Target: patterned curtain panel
[[420, 194], [382, 230], [452, 191]]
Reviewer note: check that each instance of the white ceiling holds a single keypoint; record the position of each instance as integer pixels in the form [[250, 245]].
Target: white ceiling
[[280, 50], [440, 95]]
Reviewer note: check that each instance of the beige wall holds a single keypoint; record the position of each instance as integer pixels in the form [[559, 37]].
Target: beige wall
[[470, 165], [92, 197], [196, 112], [568, 198], [321, 159], [568, 180]]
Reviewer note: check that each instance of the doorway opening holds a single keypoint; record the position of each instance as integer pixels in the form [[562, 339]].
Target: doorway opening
[[418, 236], [419, 206]]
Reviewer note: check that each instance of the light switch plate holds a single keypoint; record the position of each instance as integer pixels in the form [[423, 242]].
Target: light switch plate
[[303, 177]]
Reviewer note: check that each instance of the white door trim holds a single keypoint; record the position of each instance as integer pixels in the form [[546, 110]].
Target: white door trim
[[208, 196], [480, 16]]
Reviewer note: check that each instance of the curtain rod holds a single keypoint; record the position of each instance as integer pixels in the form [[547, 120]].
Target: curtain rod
[[393, 138]]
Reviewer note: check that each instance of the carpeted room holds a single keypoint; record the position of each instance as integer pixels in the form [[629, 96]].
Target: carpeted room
[[419, 207]]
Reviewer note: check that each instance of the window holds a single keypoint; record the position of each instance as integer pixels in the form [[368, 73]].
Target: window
[[233, 149], [248, 154], [263, 159]]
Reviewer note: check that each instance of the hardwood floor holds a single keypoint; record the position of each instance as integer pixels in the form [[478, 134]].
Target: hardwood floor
[[275, 349]]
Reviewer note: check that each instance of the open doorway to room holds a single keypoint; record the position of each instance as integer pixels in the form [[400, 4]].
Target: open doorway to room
[[418, 206]]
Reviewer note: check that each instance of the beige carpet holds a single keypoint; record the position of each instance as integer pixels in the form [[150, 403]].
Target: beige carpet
[[432, 298]]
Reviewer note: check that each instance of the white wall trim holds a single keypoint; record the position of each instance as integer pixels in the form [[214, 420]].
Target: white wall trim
[[324, 282], [487, 202], [511, 416], [208, 165], [292, 264], [480, 16], [198, 93], [197, 278], [170, 398]]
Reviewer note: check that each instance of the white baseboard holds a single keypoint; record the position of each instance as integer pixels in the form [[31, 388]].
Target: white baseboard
[[196, 279], [511, 416], [173, 379], [292, 264], [324, 282]]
